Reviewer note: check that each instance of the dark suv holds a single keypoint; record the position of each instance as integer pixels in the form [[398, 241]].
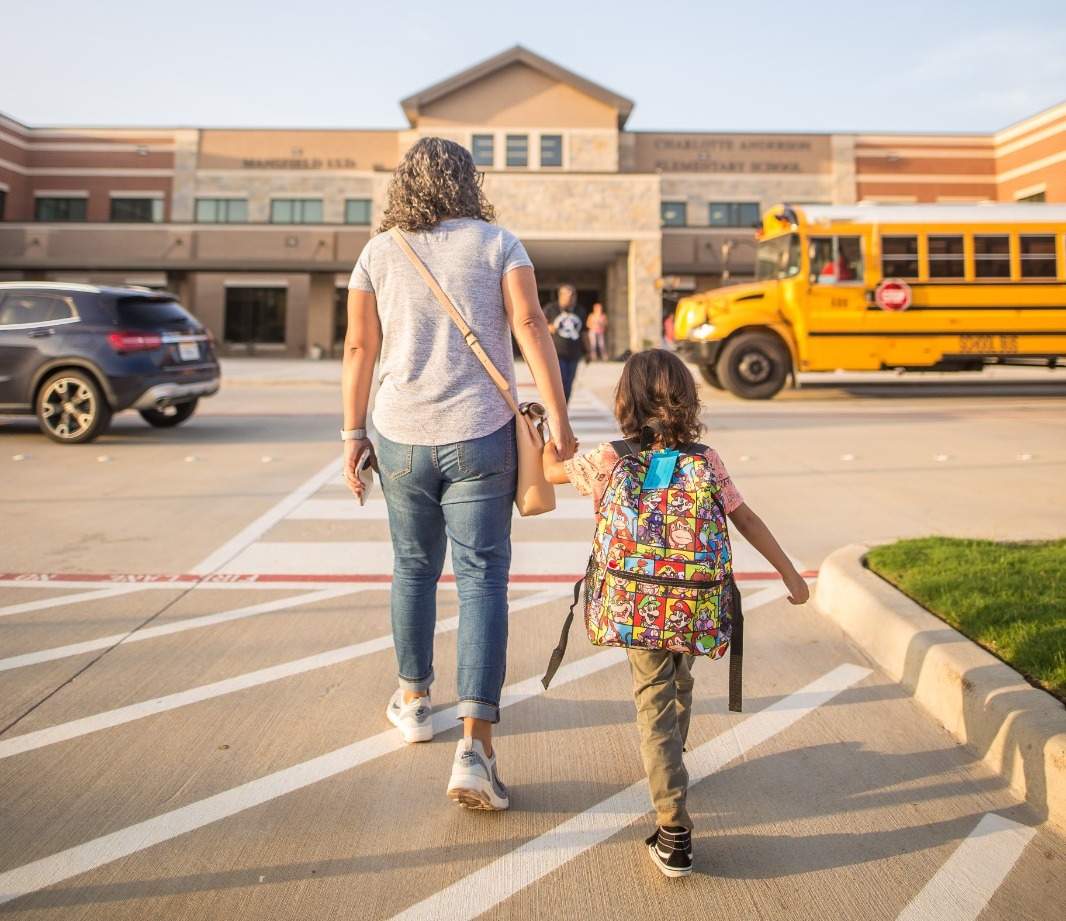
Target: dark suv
[[75, 354]]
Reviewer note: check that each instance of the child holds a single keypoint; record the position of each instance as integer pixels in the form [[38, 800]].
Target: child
[[657, 390]]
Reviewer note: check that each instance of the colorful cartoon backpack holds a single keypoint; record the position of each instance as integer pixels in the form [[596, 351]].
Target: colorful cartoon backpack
[[661, 571]]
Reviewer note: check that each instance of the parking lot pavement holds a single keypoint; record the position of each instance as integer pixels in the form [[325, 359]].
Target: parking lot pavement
[[193, 697]]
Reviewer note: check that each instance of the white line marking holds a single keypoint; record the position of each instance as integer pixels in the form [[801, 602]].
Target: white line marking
[[89, 724], [99, 851], [961, 888], [492, 884], [528, 557], [177, 626], [301, 585], [267, 520], [348, 509], [73, 598]]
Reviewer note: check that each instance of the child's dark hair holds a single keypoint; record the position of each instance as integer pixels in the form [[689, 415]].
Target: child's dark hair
[[657, 390]]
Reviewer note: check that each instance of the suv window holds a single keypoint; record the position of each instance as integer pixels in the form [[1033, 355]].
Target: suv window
[[150, 311], [22, 309]]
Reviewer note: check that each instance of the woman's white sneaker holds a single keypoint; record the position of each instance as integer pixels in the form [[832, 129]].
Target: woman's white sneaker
[[414, 719], [474, 782]]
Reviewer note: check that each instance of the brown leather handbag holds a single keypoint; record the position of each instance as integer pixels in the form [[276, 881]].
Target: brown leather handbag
[[535, 495]]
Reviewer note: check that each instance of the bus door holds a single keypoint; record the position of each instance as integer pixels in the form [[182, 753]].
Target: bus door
[[836, 302]]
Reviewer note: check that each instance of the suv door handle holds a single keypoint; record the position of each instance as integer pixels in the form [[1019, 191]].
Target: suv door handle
[[38, 333]]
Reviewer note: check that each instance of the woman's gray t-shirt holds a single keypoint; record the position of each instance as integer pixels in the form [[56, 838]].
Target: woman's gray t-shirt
[[432, 389]]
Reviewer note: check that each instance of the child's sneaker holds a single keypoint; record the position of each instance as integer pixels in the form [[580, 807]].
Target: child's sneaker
[[414, 719], [671, 850], [474, 782]]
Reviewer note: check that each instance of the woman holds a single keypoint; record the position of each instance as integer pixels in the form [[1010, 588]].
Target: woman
[[446, 450], [597, 326]]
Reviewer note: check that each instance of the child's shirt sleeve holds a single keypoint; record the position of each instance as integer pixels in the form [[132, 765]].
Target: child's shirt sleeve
[[590, 471], [730, 495]]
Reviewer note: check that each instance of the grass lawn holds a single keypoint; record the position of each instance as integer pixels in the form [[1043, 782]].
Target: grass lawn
[[1010, 598]]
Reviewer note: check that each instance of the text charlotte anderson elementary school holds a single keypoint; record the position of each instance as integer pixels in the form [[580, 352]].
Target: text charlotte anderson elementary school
[[257, 229]]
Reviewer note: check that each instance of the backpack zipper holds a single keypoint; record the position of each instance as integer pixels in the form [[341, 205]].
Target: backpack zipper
[[663, 580]]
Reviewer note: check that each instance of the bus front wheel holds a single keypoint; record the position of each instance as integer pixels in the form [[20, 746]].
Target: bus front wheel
[[754, 365], [710, 374]]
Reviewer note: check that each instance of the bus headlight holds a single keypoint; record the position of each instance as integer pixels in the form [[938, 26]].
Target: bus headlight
[[703, 331]]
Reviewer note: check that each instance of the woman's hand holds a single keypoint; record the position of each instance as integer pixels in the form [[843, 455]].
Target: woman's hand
[[566, 442], [353, 450], [798, 590]]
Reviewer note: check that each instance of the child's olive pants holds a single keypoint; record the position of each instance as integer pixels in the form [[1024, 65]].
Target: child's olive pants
[[662, 691]]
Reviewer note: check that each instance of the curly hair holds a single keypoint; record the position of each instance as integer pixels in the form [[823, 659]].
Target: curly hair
[[435, 180], [657, 391]]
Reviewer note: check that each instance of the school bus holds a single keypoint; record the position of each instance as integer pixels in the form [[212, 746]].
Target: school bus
[[874, 287]]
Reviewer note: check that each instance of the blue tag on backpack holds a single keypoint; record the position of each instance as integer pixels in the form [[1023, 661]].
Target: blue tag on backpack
[[661, 469]]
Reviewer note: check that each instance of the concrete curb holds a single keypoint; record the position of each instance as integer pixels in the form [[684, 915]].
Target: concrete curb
[[1017, 730]]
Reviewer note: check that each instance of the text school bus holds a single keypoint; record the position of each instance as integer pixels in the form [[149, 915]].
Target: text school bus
[[871, 287]]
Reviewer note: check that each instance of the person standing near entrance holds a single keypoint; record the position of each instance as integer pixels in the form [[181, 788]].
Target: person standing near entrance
[[567, 328], [597, 326], [445, 443]]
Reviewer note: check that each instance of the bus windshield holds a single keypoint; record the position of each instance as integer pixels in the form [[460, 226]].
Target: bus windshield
[[778, 258]]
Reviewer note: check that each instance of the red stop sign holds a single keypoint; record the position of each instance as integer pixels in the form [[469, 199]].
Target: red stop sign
[[893, 294]]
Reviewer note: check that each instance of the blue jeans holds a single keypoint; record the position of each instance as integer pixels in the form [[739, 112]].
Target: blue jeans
[[568, 370], [462, 492]]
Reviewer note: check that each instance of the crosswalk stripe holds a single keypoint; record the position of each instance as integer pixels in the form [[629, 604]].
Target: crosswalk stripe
[[529, 557], [41, 604], [492, 884], [75, 728], [48, 871]]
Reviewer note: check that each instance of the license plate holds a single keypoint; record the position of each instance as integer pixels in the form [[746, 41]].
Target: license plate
[[188, 351]]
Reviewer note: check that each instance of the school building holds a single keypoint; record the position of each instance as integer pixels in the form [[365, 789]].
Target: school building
[[256, 230]]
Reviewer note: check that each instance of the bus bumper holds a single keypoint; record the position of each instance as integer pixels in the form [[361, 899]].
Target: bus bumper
[[700, 352]]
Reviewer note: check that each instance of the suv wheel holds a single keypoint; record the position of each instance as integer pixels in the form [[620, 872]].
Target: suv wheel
[[710, 374], [169, 416], [71, 409], [754, 365]]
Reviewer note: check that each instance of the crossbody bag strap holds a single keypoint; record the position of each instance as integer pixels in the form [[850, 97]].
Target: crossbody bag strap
[[446, 302]]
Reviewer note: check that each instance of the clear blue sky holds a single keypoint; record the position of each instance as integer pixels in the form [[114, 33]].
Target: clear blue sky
[[954, 66]]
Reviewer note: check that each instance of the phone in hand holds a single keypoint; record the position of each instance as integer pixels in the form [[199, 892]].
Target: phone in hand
[[362, 470]]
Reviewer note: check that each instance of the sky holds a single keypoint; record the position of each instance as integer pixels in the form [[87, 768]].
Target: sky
[[697, 66]]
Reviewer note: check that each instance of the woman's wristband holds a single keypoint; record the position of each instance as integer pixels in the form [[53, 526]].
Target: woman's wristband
[[353, 434]]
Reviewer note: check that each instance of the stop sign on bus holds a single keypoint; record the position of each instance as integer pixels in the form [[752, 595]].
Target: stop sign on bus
[[893, 294]]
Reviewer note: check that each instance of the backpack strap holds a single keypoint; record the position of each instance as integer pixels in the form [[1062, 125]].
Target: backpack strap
[[560, 650], [622, 447], [736, 651]]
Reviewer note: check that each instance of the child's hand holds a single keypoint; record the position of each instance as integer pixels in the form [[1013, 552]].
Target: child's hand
[[798, 590]]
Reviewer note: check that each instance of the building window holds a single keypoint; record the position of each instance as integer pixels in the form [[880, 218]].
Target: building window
[[47, 208], [1038, 256], [518, 150], [1035, 198], [357, 211], [836, 260], [551, 150], [255, 315], [221, 211], [483, 149], [946, 257], [674, 214], [899, 257], [991, 256], [3, 202], [296, 211], [733, 214], [137, 210]]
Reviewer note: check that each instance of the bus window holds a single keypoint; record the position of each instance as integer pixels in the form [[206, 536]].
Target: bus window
[[899, 257], [991, 255], [836, 260], [945, 257], [778, 258], [1038, 256]]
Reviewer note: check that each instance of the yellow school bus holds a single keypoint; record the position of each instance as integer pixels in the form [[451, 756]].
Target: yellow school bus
[[872, 287]]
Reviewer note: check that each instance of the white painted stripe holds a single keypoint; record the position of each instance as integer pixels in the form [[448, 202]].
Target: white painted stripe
[[962, 887], [268, 519], [177, 626], [68, 598], [349, 509], [243, 585], [73, 729], [95, 853], [534, 558], [492, 884]]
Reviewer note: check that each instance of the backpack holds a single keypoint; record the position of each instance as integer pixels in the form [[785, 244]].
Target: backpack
[[660, 575]]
